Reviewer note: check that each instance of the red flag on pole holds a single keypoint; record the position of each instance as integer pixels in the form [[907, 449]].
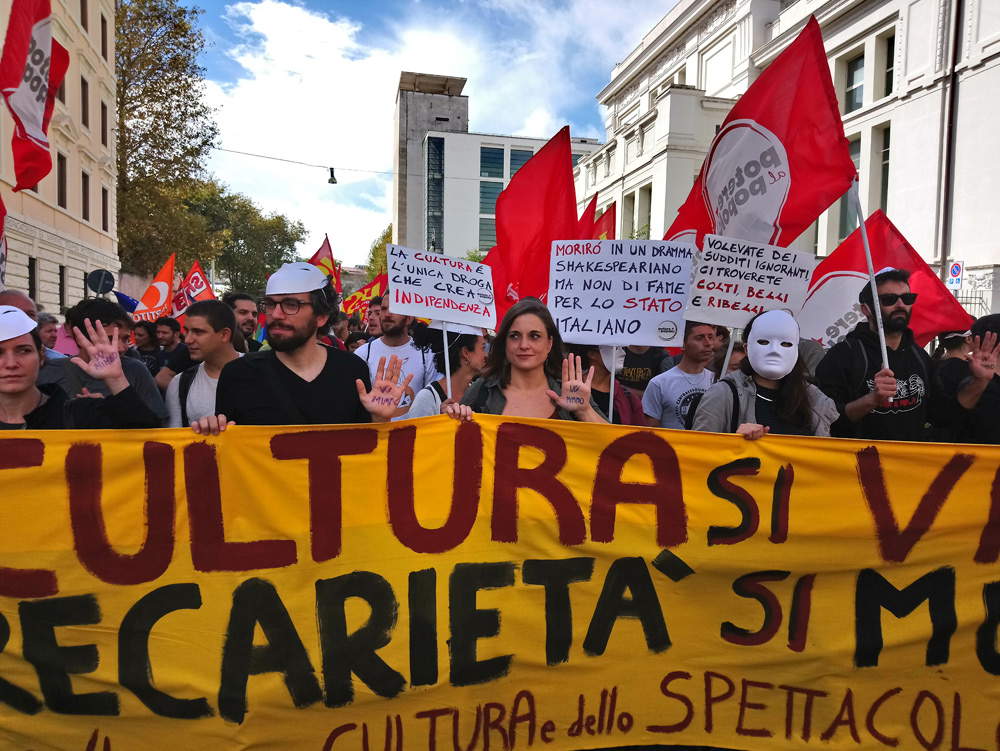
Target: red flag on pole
[[585, 227], [323, 258], [31, 70], [779, 159], [604, 226], [832, 308], [157, 300], [537, 207], [195, 287], [357, 302]]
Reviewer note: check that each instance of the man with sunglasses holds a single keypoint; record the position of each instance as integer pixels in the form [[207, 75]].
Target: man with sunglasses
[[901, 402], [299, 381]]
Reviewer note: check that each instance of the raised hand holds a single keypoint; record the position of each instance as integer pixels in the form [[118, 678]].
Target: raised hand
[[985, 356], [382, 401], [575, 396], [102, 359]]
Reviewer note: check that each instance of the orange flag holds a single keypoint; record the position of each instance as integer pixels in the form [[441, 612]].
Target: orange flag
[[157, 299], [323, 258], [604, 226]]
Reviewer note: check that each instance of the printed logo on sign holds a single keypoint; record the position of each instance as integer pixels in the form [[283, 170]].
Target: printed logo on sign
[[666, 330], [747, 182], [197, 284], [485, 297]]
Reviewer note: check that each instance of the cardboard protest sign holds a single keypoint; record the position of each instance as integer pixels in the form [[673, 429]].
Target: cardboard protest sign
[[734, 280], [620, 292], [431, 285], [585, 586]]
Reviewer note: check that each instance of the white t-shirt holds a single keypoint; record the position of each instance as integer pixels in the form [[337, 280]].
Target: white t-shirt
[[669, 395], [426, 403], [415, 361], [200, 398]]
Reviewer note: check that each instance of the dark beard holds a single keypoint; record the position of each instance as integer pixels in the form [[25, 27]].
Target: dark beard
[[897, 322], [290, 342]]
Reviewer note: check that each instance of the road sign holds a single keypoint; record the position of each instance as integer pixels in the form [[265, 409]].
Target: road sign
[[956, 270]]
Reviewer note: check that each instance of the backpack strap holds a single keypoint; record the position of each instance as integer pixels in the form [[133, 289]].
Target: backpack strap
[[187, 378], [862, 357], [734, 417]]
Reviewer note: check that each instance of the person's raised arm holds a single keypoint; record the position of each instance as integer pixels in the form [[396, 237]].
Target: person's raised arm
[[575, 396], [382, 400], [982, 367]]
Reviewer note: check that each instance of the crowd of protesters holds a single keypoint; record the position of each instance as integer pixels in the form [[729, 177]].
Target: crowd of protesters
[[100, 369]]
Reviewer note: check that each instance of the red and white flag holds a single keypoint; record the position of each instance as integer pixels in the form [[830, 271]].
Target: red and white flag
[[195, 287], [779, 159], [31, 70], [832, 308]]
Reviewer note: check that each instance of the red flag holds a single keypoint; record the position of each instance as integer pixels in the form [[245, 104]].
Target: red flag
[[31, 70], [3, 246], [537, 207], [779, 159], [604, 227], [357, 302], [195, 287], [832, 308], [585, 227], [323, 258], [157, 300]]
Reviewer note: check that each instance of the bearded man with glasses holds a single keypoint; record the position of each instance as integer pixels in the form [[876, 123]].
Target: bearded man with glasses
[[299, 381], [902, 402]]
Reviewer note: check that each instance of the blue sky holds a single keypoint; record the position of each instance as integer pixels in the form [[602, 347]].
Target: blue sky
[[315, 82]]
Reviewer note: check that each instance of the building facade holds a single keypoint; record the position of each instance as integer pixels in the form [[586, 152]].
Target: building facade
[[917, 82], [447, 179], [66, 226]]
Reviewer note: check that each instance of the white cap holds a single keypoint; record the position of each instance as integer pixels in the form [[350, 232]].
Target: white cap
[[14, 322], [295, 277]]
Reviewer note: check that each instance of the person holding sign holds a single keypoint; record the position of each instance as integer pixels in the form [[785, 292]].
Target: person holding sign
[[669, 396], [25, 406], [466, 360], [526, 374], [769, 393]]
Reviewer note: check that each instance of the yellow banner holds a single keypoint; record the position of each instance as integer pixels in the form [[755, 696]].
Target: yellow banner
[[505, 584]]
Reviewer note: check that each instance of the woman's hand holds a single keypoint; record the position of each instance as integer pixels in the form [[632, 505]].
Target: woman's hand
[[575, 396], [382, 401], [102, 362], [752, 431], [456, 411]]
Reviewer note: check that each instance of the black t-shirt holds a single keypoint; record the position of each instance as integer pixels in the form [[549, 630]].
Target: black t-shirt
[[258, 389], [766, 414], [253, 345], [179, 360], [153, 359], [603, 400], [640, 369], [982, 422]]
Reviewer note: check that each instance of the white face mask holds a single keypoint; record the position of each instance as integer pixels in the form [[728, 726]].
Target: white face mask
[[773, 346], [617, 363]]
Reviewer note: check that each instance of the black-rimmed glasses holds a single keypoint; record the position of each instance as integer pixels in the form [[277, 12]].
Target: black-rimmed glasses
[[289, 305]]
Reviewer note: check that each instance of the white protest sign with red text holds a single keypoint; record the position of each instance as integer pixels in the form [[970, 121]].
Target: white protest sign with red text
[[430, 285], [735, 280], [620, 292]]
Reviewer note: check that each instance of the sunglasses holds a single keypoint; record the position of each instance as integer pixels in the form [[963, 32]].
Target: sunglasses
[[890, 298]]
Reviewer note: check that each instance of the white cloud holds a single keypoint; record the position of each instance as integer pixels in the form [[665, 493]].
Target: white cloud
[[310, 91]]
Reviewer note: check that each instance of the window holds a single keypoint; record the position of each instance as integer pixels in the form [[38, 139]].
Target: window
[[104, 37], [435, 193], [61, 93], [85, 196], [61, 180], [488, 193], [848, 213], [577, 158], [518, 158], [33, 188], [490, 162], [84, 102], [86, 290], [884, 162], [83, 15], [105, 210], [890, 65], [628, 216], [62, 288], [854, 92], [104, 124], [487, 233], [33, 279]]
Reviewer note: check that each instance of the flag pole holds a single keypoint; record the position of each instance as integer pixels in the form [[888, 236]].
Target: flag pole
[[611, 397], [729, 354], [447, 358], [853, 190]]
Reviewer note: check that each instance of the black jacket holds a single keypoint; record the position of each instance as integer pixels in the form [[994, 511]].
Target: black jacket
[[58, 412], [847, 372]]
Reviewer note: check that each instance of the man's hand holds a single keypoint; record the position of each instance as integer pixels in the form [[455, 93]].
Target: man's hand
[[382, 401], [102, 362], [984, 357], [885, 387], [211, 425]]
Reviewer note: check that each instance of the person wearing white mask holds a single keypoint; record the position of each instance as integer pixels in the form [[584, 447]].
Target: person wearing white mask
[[769, 393]]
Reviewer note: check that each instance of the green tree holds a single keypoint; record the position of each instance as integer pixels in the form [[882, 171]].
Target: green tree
[[165, 132], [376, 254], [476, 255]]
